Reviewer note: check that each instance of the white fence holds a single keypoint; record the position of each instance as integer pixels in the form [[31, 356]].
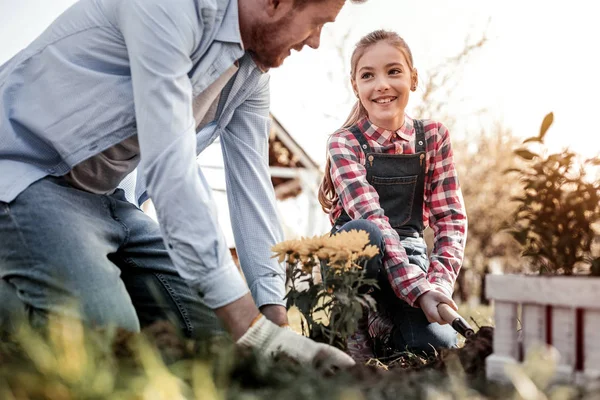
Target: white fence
[[560, 311]]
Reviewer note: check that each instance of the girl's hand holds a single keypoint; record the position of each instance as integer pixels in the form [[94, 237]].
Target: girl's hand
[[429, 302]]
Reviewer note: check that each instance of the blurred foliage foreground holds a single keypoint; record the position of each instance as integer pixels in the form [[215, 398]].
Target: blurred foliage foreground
[[69, 361], [72, 362]]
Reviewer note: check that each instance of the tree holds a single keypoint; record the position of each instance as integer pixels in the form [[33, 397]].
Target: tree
[[488, 194]]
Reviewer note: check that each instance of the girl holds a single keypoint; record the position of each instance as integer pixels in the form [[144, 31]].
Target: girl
[[394, 176]]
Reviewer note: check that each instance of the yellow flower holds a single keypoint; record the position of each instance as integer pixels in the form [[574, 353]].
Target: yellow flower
[[341, 250], [325, 253], [369, 252], [312, 245], [284, 248], [352, 240], [340, 255]]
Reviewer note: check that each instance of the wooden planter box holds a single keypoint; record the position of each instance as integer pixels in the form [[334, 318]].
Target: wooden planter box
[[560, 311]]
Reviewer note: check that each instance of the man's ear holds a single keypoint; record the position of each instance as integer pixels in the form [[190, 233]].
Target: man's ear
[[277, 8]]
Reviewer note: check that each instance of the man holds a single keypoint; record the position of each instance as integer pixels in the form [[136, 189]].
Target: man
[[115, 85]]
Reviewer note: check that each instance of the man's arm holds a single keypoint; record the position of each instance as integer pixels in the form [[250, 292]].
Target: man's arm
[[256, 227], [160, 35]]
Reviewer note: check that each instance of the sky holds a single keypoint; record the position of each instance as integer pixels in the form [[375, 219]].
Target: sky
[[539, 58]]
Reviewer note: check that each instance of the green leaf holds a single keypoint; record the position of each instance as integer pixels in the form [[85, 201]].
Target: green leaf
[[548, 119], [526, 154]]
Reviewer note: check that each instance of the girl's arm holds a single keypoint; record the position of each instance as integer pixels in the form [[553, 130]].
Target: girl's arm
[[361, 201], [447, 215]]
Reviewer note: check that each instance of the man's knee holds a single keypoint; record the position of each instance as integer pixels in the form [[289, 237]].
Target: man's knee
[[12, 309], [110, 311], [94, 309]]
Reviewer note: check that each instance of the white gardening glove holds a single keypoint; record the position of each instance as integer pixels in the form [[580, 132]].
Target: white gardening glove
[[271, 339]]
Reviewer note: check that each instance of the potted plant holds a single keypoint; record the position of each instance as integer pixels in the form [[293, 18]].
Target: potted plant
[[556, 225]]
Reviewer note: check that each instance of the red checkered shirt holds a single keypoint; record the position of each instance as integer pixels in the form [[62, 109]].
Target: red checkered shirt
[[443, 206]]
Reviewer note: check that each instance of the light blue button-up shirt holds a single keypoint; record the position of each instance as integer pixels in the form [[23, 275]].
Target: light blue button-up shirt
[[108, 69]]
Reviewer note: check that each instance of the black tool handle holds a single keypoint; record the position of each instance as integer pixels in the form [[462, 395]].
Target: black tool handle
[[459, 324]]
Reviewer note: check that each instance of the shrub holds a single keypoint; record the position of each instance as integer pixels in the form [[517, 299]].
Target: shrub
[[554, 222]]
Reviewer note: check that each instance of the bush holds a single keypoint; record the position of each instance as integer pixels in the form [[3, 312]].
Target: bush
[[554, 222]]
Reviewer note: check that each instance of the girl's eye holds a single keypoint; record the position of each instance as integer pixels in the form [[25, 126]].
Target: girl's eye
[[395, 71], [366, 75]]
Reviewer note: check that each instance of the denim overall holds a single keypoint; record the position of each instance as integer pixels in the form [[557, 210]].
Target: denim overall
[[399, 180]]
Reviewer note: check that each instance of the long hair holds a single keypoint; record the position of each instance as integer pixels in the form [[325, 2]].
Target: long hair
[[327, 194]]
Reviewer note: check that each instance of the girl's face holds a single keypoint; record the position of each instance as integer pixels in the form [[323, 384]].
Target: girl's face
[[383, 81]]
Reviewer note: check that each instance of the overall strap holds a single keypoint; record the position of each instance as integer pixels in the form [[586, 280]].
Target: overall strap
[[419, 136], [362, 140]]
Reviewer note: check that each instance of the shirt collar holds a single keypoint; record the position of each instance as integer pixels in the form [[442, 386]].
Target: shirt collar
[[229, 31], [382, 136]]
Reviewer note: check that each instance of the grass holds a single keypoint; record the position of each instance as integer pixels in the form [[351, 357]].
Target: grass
[[76, 363]]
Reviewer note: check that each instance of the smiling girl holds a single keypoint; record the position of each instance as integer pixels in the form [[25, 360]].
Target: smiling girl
[[394, 176]]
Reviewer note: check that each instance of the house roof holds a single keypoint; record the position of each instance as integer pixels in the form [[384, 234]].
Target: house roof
[[282, 134], [287, 161]]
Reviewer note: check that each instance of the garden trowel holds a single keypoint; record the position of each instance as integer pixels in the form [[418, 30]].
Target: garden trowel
[[459, 324]]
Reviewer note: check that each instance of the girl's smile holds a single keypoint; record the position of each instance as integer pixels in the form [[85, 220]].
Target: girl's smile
[[384, 100]]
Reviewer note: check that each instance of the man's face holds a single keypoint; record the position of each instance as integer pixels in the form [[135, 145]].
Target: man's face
[[273, 41]]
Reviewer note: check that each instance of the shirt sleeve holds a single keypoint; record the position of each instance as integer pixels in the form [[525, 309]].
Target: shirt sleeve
[[160, 36], [251, 197], [361, 201], [447, 216]]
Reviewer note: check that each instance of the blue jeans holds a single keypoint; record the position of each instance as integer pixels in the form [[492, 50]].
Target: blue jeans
[[411, 330], [96, 257]]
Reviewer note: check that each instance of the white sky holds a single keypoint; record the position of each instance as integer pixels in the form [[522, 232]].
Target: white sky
[[541, 57]]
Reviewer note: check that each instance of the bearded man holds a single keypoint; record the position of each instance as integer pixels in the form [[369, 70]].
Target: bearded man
[[117, 86]]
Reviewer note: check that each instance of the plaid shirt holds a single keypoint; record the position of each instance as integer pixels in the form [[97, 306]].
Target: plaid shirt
[[443, 207]]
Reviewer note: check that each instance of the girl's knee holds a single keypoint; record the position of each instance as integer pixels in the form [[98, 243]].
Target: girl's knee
[[375, 237]]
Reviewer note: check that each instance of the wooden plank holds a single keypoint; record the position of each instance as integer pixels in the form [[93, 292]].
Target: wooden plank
[[505, 333], [563, 335], [591, 343], [533, 321], [566, 291]]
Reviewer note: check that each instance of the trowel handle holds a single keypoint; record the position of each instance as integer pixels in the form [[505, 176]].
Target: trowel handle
[[459, 324]]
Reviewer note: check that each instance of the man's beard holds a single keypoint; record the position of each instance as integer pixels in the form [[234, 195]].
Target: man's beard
[[265, 54]]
